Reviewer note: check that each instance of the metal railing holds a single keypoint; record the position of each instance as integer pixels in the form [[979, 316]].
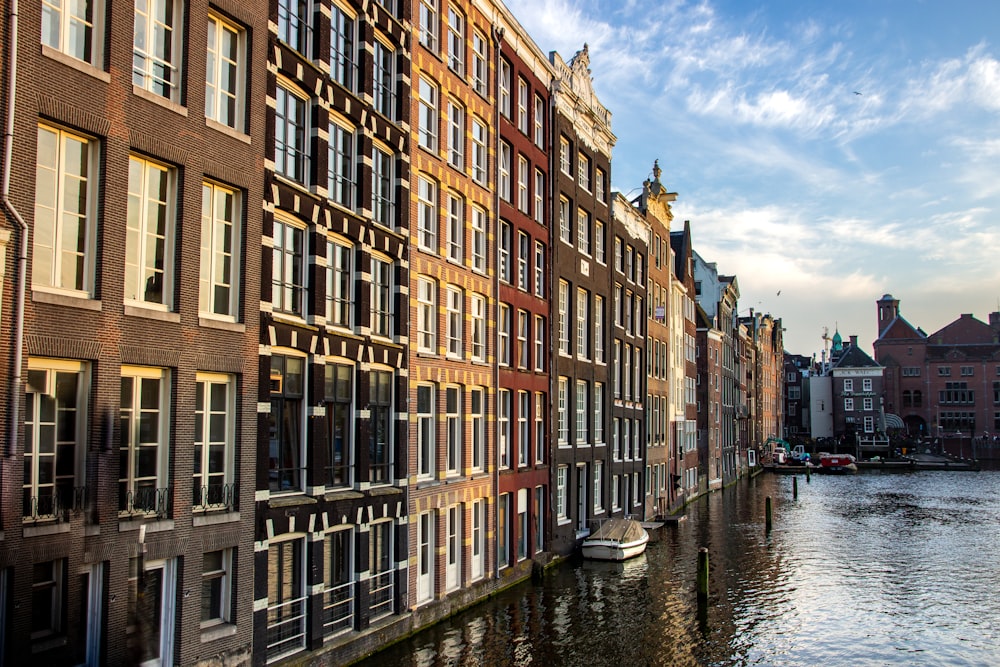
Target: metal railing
[[381, 594], [286, 628], [216, 497], [338, 608], [146, 501], [56, 506]]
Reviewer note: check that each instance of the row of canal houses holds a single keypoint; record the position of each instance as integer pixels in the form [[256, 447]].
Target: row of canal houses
[[320, 321]]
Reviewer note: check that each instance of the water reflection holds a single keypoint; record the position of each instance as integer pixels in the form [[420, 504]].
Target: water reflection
[[872, 569]]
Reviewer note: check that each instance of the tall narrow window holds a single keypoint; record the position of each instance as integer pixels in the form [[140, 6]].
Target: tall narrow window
[[454, 323], [291, 157], [429, 24], [456, 134], [478, 239], [338, 388], [382, 570], [48, 608], [286, 598], [583, 231], [456, 227], [539, 122], [522, 339], [504, 249], [286, 468], [562, 410], [216, 587], [582, 416], [426, 452], [583, 171], [380, 404], [540, 343], [539, 269], [338, 582], [342, 57], [478, 322], [523, 258], [540, 436], [453, 429], [503, 335], [339, 284], [426, 315], [505, 167], [505, 88], [225, 73], [383, 192], [456, 41], [384, 79], [564, 156], [149, 233], [65, 211], [522, 105], [563, 317], [598, 409], [599, 242], [293, 24], [562, 501], [477, 428], [523, 433], [287, 268], [503, 427], [381, 297], [218, 290], [214, 442], [539, 197], [71, 27], [428, 117], [522, 183], [145, 418], [565, 230], [340, 166], [480, 69], [156, 50], [54, 437], [427, 214], [583, 324], [480, 155], [599, 328]]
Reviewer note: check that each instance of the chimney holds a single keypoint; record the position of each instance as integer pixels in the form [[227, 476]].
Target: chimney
[[995, 320], [854, 341]]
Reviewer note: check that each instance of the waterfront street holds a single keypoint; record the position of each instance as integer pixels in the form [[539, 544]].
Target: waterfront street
[[869, 569]]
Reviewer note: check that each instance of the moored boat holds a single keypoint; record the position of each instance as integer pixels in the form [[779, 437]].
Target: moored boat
[[616, 539], [837, 463]]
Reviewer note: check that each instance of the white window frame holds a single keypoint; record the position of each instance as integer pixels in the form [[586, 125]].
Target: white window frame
[[291, 154], [477, 317], [523, 433], [382, 319], [428, 24], [523, 94], [480, 153], [503, 335], [522, 184], [454, 314], [225, 105], [219, 492], [456, 227], [456, 134], [539, 122], [454, 445], [62, 29], [563, 312], [141, 270], [477, 428], [426, 431], [539, 196], [505, 84], [340, 165], [503, 428], [157, 67], [221, 224], [427, 214], [288, 277], [339, 283], [428, 97], [540, 343], [480, 69], [343, 44], [478, 225], [456, 40], [426, 315], [522, 339], [130, 483]]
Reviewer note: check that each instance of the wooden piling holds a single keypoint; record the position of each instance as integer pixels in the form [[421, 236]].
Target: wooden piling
[[703, 575], [807, 474], [767, 514], [795, 487]]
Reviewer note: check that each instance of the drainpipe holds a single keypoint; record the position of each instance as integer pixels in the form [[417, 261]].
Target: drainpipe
[[22, 256], [497, 34]]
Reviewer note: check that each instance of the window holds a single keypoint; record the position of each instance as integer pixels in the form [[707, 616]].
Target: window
[[453, 322], [54, 436], [616, 445], [71, 28], [582, 416], [523, 245], [598, 486], [293, 24], [869, 424], [287, 269], [944, 371], [523, 434], [456, 134], [540, 436], [583, 171], [214, 442], [615, 500], [619, 256], [504, 250], [453, 547], [582, 324], [380, 438], [563, 317], [383, 193], [539, 269], [562, 410], [503, 335], [522, 339], [456, 227], [848, 385], [583, 231], [338, 581], [505, 157], [427, 214], [65, 211], [456, 41], [539, 197], [48, 613], [600, 185], [478, 322], [564, 152], [503, 427], [505, 83], [218, 291], [145, 419], [342, 56], [522, 105], [426, 455], [224, 73], [453, 429], [426, 315], [480, 70], [539, 518], [599, 328], [338, 388], [522, 183], [149, 232], [867, 404], [384, 79], [428, 118], [478, 239], [340, 166], [339, 283], [848, 404], [565, 231], [285, 428], [291, 158], [429, 24], [599, 242], [540, 343], [382, 570], [286, 598], [156, 49], [381, 302], [562, 474], [216, 578], [598, 408], [965, 371], [539, 122], [522, 524], [480, 155], [503, 530], [477, 428]]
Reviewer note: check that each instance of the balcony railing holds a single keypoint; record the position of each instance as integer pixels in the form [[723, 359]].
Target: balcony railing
[[216, 497], [338, 608], [286, 628], [55, 506], [146, 501], [381, 594]]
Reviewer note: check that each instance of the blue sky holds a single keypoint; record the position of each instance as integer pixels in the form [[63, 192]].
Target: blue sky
[[792, 181]]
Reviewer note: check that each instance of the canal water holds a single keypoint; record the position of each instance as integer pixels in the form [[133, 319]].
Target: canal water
[[869, 569]]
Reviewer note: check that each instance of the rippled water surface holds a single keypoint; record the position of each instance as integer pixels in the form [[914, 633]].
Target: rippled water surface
[[870, 569]]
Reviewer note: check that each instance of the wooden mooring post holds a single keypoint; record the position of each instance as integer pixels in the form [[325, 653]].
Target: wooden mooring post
[[703, 576], [767, 514], [795, 487]]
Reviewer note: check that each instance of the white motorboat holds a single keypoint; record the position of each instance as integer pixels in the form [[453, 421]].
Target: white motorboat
[[616, 539]]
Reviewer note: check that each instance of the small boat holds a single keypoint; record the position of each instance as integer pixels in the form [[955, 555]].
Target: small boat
[[837, 463], [616, 539]]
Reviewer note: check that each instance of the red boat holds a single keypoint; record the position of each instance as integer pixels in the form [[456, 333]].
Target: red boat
[[837, 463]]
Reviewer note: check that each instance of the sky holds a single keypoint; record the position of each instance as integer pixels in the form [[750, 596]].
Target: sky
[[826, 153]]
